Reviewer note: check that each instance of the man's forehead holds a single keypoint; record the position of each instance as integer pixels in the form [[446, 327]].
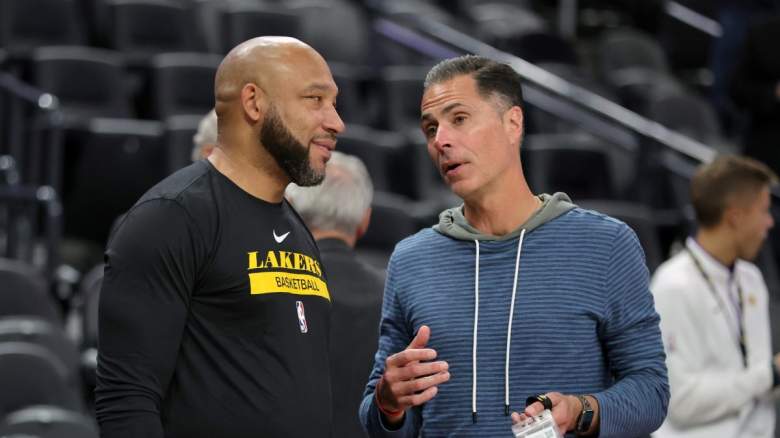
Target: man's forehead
[[446, 95], [306, 75]]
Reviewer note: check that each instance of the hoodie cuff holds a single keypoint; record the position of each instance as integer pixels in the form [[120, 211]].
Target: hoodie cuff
[[377, 428]]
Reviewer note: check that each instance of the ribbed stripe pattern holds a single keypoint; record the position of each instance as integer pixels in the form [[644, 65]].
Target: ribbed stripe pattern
[[584, 323]]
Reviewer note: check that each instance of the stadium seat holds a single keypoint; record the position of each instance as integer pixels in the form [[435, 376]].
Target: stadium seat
[[627, 48], [25, 292], [320, 24], [403, 90], [117, 161], [542, 46], [27, 24], [183, 83], [381, 151], [38, 331], [88, 82], [636, 87], [32, 375], [687, 114], [355, 103], [240, 21], [576, 164], [47, 422], [140, 28]]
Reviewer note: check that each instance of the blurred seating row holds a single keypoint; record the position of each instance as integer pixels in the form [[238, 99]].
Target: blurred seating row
[[630, 67], [42, 372]]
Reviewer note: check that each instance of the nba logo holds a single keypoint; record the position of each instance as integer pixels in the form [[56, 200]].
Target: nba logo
[[301, 317]]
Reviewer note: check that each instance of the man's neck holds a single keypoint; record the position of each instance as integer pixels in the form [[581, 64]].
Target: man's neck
[[715, 244], [334, 234], [501, 212], [261, 178]]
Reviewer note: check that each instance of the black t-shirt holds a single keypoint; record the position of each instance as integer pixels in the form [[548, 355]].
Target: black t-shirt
[[214, 317]]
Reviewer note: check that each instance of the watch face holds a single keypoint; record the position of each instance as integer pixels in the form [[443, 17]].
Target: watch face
[[586, 416]]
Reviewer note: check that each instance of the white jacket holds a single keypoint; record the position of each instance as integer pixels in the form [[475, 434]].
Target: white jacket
[[712, 394]]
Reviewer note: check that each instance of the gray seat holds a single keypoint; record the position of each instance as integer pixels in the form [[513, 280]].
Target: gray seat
[[627, 48], [687, 114], [25, 292], [48, 422], [183, 83], [88, 82], [32, 375], [26, 24], [41, 332], [579, 165], [140, 28], [240, 21]]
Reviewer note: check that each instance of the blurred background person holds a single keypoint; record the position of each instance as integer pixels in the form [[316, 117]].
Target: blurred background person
[[338, 212], [205, 138], [714, 312]]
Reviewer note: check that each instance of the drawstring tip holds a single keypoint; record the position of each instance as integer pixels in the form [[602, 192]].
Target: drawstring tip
[[474, 417], [506, 410]]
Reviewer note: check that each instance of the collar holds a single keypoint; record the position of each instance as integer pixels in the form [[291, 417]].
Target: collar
[[715, 269], [332, 244]]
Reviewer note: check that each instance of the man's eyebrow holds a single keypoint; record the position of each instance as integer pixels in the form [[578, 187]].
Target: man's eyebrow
[[319, 87], [450, 107], [427, 116]]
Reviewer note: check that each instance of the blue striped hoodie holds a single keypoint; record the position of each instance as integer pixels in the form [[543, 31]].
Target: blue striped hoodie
[[583, 322]]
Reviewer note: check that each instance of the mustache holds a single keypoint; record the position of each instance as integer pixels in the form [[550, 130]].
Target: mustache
[[328, 136]]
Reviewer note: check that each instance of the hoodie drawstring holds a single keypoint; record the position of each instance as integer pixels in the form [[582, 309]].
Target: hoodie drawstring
[[509, 330]]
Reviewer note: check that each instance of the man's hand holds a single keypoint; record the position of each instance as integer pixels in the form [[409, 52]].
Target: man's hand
[[566, 410], [408, 379]]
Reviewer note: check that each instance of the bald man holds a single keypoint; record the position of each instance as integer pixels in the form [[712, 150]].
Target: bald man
[[214, 312]]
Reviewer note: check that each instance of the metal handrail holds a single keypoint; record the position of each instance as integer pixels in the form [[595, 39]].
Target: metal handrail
[[425, 30], [48, 117], [693, 19], [22, 90]]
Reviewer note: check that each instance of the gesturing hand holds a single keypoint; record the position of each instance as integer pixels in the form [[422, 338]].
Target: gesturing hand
[[409, 380]]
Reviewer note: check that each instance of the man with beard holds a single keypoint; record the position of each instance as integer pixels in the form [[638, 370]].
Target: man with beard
[[214, 313]]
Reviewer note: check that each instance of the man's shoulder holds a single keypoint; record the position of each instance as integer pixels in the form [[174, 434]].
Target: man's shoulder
[[425, 239], [182, 198], [593, 226], [593, 218], [188, 184], [749, 271]]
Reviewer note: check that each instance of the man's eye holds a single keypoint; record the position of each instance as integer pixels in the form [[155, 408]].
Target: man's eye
[[315, 98], [430, 131], [459, 119]]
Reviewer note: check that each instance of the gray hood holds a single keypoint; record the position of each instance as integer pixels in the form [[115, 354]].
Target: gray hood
[[452, 223]]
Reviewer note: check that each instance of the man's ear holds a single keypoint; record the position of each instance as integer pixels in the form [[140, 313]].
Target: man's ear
[[733, 215], [513, 121], [253, 101]]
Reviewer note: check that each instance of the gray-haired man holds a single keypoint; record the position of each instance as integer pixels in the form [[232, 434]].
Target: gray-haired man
[[337, 212]]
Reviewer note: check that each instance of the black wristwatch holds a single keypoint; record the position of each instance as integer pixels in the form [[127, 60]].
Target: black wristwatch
[[586, 416]]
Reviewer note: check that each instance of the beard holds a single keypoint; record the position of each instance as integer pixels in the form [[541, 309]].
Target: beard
[[291, 156]]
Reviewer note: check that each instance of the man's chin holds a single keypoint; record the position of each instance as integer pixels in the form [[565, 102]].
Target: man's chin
[[312, 178]]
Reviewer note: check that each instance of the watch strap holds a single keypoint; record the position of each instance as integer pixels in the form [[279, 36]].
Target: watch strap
[[586, 416]]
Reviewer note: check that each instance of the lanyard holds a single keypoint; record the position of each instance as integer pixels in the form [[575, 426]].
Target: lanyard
[[722, 305]]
